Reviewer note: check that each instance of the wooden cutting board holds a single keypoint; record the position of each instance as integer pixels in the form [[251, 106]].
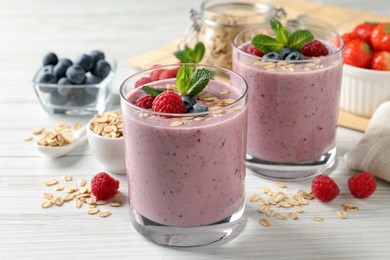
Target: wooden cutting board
[[343, 19]]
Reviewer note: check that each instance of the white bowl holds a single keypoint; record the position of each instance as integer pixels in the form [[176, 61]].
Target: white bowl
[[109, 152], [363, 90]]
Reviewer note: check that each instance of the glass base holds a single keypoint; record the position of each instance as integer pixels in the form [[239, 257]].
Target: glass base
[[291, 171], [186, 236]]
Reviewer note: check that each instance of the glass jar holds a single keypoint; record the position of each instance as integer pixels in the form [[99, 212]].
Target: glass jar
[[220, 20]]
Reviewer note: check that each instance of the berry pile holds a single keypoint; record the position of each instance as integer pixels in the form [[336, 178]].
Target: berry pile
[[86, 69], [326, 189], [168, 101], [368, 46], [299, 45]]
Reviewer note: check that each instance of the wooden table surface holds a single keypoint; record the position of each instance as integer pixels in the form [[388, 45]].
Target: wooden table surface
[[29, 29]]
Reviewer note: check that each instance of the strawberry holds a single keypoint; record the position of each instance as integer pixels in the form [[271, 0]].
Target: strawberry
[[380, 60], [364, 30], [351, 36], [380, 37], [358, 53]]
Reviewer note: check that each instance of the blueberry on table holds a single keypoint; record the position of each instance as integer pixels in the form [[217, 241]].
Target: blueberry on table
[[50, 59], [56, 98], [81, 97], [295, 56], [101, 69], [60, 68], [84, 61], [272, 56], [64, 87], [75, 74], [188, 101], [97, 55], [285, 52]]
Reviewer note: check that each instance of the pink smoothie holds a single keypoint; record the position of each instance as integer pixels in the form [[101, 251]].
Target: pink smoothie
[[292, 111], [187, 175]]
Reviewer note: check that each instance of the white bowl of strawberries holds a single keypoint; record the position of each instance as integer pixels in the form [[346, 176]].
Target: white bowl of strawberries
[[366, 73]]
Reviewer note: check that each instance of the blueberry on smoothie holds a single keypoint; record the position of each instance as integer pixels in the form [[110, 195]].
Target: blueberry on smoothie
[[188, 101], [198, 108], [50, 59], [285, 52], [272, 56], [84, 61], [75, 74], [101, 69], [295, 56]]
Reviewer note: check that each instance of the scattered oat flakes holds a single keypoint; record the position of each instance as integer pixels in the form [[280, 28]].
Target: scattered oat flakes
[[263, 209], [76, 126], [100, 202], [91, 200], [318, 218], [67, 177], [50, 182], [281, 185], [92, 211], [293, 215], [116, 203], [68, 197], [270, 213], [82, 182], [104, 214], [27, 138], [298, 209], [254, 197], [38, 130], [47, 195], [280, 216], [59, 187], [265, 222], [71, 189], [342, 214], [59, 201], [46, 204], [78, 203]]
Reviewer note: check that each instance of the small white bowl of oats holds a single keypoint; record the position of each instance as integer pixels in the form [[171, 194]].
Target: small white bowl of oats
[[105, 137]]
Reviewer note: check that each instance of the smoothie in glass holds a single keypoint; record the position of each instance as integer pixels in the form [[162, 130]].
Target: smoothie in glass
[[293, 107], [186, 171]]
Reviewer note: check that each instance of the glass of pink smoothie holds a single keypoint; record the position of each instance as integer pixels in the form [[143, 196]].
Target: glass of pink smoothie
[[293, 106], [186, 171]]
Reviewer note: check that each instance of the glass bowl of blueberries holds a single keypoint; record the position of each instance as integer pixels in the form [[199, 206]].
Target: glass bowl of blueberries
[[78, 87]]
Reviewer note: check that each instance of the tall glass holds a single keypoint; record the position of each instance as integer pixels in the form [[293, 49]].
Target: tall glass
[[293, 106], [186, 171]]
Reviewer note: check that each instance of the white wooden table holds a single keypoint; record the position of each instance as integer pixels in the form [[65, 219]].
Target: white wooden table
[[29, 29]]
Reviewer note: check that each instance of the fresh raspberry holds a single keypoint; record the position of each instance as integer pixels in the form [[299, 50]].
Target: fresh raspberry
[[155, 75], [324, 188], [362, 185], [251, 49], [103, 186], [314, 48], [168, 74], [142, 81], [168, 102], [145, 102]]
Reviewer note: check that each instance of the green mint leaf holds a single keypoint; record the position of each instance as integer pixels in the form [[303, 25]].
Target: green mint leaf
[[199, 51], [200, 79], [299, 38], [184, 79], [152, 91], [266, 44], [184, 55], [280, 31]]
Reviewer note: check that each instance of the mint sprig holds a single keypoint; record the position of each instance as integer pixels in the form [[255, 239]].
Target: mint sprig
[[189, 55], [190, 82], [283, 39], [152, 91]]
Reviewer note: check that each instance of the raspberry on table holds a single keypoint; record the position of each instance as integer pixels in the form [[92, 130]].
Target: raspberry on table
[[362, 185], [314, 48], [251, 49], [168, 102], [103, 186], [324, 188], [145, 102], [142, 81]]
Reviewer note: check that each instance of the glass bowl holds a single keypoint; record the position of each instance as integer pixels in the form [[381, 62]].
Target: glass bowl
[[75, 99]]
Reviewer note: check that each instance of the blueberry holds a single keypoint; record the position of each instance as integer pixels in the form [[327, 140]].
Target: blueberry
[[50, 59], [81, 97], [84, 61], [198, 108], [63, 86], [284, 52], [189, 102], [101, 69], [60, 68], [75, 74], [295, 56], [97, 55], [56, 98], [272, 56], [46, 76], [92, 80]]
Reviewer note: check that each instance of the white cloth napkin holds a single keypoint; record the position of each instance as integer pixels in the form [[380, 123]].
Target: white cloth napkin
[[372, 154]]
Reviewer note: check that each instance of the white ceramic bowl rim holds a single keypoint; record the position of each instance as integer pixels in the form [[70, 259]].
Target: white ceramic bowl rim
[[360, 72]]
